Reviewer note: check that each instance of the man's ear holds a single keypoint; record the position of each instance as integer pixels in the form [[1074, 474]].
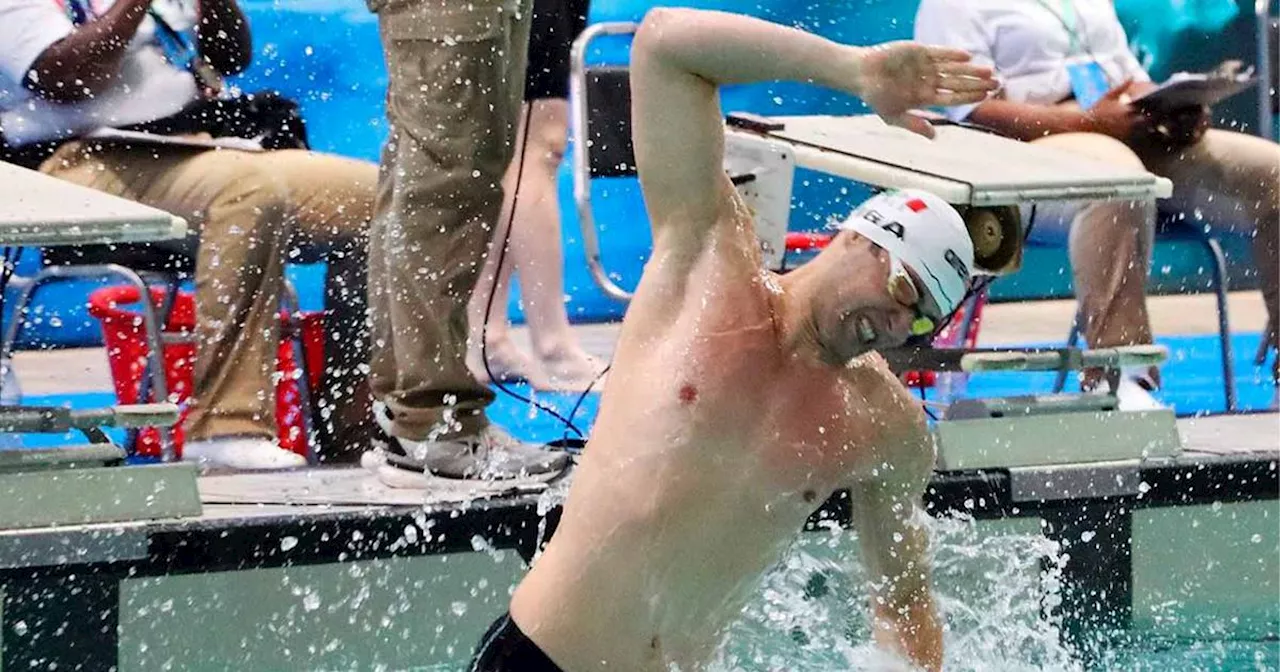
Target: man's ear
[[997, 237]]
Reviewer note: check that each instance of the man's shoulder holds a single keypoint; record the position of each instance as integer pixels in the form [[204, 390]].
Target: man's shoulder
[[872, 371], [896, 411]]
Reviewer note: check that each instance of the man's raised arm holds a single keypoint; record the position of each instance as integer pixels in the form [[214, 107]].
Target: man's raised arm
[[680, 56]]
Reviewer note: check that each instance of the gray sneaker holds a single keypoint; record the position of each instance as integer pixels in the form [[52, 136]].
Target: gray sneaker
[[492, 455]]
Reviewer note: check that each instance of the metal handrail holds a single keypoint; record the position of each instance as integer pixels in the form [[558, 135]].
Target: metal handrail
[[581, 162], [1266, 108]]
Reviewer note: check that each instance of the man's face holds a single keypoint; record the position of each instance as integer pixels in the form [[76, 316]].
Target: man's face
[[875, 303]]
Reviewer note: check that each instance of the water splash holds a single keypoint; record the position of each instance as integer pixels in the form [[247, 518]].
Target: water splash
[[993, 591]]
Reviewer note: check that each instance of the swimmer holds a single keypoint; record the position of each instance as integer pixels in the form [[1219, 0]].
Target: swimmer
[[740, 400]]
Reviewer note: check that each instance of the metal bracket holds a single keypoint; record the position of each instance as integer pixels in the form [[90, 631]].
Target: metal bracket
[[773, 166]]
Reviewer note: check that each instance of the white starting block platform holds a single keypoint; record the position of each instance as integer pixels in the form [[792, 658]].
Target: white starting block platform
[[41, 210], [962, 165]]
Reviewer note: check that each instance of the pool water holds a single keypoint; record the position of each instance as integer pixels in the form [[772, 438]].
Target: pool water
[[995, 581], [994, 592]]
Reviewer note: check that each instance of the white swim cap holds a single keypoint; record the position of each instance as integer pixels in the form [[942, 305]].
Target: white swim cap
[[926, 234]]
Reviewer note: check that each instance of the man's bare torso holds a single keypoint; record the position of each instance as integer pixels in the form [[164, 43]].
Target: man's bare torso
[[713, 445]]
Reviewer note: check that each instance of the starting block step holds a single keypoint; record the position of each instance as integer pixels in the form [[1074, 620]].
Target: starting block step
[[52, 497], [1070, 359], [1037, 439]]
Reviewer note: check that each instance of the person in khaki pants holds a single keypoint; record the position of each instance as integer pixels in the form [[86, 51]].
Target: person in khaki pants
[[456, 69], [1069, 81], [67, 69]]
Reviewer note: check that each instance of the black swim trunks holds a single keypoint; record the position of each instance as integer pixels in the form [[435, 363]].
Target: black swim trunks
[[504, 648], [555, 24]]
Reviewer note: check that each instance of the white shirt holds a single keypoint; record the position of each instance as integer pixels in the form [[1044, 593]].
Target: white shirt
[[1027, 43], [150, 87]]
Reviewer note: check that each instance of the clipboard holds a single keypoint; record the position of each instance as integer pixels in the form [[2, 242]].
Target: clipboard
[[140, 138], [1185, 89]]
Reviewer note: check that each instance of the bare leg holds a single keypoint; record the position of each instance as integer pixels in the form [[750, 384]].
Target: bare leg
[[1110, 247], [506, 361], [539, 255], [535, 253]]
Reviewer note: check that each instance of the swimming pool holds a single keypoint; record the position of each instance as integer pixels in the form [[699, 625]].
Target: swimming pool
[[995, 579], [1188, 561], [1201, 591]]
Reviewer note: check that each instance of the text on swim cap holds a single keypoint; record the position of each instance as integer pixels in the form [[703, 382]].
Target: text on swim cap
[[900, 231], [957, 264]]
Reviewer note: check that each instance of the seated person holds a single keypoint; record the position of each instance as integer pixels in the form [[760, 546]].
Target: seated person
[[70, 68], [1232, 179], [739, 400]]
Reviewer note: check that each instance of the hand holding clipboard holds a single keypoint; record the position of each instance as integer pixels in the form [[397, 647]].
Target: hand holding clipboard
[[1196, 90]]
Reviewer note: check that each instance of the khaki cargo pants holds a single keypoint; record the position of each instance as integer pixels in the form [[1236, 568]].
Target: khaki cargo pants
[[456, 72], [253, 212]]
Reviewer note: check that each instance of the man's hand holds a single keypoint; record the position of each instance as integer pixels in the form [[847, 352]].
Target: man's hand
[[1115, 115], [897, 77], [1176, 129]]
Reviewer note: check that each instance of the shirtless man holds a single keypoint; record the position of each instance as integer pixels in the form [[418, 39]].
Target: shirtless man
[[740, 400]]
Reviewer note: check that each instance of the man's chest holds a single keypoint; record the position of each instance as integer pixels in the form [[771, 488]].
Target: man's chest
[[801, 425]]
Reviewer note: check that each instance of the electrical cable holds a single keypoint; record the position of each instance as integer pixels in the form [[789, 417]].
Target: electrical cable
[[924, 400], [493, 292]]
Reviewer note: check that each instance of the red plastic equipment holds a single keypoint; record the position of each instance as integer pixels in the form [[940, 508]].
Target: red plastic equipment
[[122, 330]]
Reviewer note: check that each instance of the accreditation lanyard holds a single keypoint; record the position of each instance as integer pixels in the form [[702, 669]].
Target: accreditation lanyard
[[1066, 15], [80, 12], [177, 49], [182, 53]]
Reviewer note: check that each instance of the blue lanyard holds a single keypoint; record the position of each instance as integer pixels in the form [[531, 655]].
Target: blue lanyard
[[175, 46], [79, 13]]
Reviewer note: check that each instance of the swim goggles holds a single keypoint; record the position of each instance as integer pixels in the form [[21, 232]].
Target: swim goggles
[[904, 287]]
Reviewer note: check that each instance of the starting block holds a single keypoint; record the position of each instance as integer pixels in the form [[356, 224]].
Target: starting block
[[84, 484], [1050, 430], [985, 176]]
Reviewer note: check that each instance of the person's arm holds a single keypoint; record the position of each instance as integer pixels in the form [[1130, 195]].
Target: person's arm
[[222, 34], [895, 548], [1029, 121], [87, 60], [680, 56], [1112, 115]]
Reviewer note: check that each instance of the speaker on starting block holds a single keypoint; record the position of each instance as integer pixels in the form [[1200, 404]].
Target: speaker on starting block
[[997, 235]]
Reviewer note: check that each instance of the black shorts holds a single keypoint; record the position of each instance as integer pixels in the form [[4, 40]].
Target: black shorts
[[504, 648], [555, 24]]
